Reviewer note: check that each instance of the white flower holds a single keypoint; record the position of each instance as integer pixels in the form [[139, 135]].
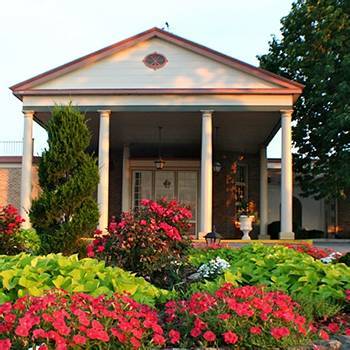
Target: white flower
[[213, 268]]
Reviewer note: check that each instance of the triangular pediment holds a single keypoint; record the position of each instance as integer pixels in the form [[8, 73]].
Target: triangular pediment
[[188, 66]]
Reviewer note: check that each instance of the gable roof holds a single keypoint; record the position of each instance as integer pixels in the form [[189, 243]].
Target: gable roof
[[28, 86]]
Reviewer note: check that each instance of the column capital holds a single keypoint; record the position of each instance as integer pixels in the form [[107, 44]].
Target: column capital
[[286, 112], [207, 112], [28, 113], [104, 112]]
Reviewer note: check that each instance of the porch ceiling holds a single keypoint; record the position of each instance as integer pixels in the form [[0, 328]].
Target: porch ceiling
[[238, 131]]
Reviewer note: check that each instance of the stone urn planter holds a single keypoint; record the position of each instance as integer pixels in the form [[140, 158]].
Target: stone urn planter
[[246, 225]]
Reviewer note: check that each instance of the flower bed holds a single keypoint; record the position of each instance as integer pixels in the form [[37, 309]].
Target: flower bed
[[64, 321], [319, 286], [247, 317]]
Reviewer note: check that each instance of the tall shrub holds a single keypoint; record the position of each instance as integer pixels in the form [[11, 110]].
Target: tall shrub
[[66, 209]]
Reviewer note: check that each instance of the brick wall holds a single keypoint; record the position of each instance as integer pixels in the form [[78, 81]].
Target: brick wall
[[224, 193], [10, 183]]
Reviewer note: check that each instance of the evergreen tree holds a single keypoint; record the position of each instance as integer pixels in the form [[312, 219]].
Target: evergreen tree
[[66, 209], [315, 50]]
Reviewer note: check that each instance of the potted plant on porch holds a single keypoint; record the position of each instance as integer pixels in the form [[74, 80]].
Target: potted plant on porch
[[247, 215]]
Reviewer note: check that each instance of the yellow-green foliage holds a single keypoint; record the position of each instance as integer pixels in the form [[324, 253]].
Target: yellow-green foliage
[[25, 274]]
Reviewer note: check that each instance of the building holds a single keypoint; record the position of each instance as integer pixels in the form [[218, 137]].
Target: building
[[157, 100]]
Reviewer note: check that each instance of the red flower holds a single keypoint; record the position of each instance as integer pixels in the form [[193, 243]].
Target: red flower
[[280, 332], [255, 330], [323, 335], [79, 339], [347, 331], [209, 336], [195, 332], [333, 327], [174, 336], [230, 337], [224, 316], [158, 339], [5, 344], [135, 343]]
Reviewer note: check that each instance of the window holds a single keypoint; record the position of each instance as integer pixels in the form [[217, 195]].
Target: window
[[155, 61]]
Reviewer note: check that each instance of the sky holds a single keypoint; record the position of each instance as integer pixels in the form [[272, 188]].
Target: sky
[[37, 35]]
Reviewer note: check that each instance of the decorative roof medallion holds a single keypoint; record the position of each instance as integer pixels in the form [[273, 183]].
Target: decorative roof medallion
[[155, 61]]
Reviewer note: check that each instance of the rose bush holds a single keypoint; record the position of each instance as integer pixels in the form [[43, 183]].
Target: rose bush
[[78, 321], [10, 223], [151, 241], [247, 317]]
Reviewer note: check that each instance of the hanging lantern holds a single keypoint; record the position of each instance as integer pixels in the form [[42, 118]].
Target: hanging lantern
[[159, 163]]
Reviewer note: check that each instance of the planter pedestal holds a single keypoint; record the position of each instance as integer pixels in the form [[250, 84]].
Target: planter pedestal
[[246, 226]]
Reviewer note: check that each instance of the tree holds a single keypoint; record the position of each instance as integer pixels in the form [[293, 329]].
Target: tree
[[68, 176], [314, 50]]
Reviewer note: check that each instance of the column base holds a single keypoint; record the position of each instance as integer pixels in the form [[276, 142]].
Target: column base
[[264, 237], [287, 235], [201, 235]]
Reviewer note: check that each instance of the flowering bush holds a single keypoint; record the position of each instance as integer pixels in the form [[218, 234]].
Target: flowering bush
[[10, 223], [63, 321], [247, 317], [315, 252], [213, 268], [149, 241]]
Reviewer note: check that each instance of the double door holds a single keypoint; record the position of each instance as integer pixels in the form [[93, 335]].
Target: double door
[[181, 185]]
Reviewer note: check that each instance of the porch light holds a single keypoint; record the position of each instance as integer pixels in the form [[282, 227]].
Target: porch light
[[159, 163], [217, 167], [212, 237]]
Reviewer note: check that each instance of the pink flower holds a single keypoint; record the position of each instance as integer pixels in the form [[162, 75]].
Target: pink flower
[[230, 337], [195, 332], [255, 330], [323, 335], [174, 336], [5, 344], [158, 339], [100, 248], [280, 332], [209, 336], [79, 339], [224, 316], [333, 327]]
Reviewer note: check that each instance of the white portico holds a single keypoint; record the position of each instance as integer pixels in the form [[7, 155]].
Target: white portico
[[153, 79]]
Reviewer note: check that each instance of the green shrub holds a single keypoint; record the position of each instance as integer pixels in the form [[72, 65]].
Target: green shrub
[[29, 240], [66, 209], [25, 274], [281, 268], [345, 259]]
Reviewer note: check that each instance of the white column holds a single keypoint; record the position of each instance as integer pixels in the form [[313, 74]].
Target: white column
[[103, 164], [264, 206], [206, 174], [26, 176], [126, 179], [286, 177]]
